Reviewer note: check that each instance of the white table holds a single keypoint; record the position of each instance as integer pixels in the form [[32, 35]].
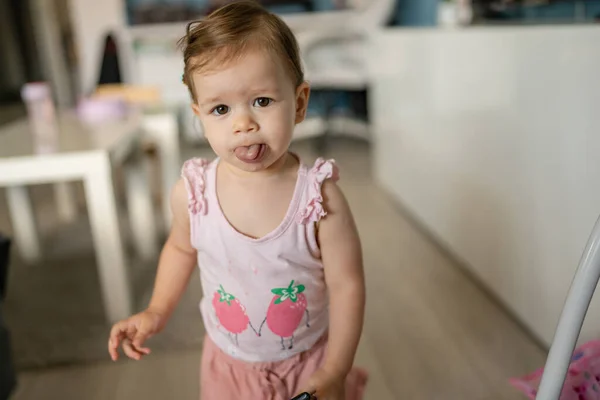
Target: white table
[[161, 129], [88, 153]]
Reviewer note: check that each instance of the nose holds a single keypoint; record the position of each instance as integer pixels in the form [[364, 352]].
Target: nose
[[244, 123]]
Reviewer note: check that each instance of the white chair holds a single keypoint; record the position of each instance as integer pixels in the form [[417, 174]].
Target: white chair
[[334, 55], [332, 43], [571, 319]]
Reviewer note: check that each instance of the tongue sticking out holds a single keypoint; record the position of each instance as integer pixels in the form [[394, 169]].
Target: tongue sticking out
[[248, 153]]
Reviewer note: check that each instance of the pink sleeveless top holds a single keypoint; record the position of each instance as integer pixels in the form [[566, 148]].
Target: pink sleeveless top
[[264, 299]]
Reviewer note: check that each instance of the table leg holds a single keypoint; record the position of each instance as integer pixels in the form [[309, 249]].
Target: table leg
[[139, 207], [65, 201], [110, 256], [24, 225], [162, 128]]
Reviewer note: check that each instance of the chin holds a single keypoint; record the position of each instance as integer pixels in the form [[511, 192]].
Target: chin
[[247, 167], [251, 167]]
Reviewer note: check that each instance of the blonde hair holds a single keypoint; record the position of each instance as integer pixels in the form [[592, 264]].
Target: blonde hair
[[230, 31]]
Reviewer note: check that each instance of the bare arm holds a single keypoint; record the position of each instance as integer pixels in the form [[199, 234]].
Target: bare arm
[[344, 275], [177, 259]]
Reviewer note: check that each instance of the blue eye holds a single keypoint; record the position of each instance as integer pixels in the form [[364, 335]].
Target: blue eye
[[220, 110], [262, 102]]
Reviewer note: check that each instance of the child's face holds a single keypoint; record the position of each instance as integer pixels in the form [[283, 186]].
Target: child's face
[[248, 110]]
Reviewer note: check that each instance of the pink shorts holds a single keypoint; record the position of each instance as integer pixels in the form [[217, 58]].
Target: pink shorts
[[225, 378]]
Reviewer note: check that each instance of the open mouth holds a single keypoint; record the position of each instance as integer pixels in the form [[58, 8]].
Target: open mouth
[[251, 154]]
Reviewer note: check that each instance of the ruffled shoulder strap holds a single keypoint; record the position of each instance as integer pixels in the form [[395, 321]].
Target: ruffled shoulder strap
[[194, 176], [313, 210]]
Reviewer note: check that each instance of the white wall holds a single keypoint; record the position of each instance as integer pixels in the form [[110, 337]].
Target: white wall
[[92, 20], [491, 137]]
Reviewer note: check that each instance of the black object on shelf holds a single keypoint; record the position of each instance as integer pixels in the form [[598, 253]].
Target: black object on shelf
[[110, 70]]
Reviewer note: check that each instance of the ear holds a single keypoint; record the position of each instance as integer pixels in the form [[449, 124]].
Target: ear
[[196, 109], [302, 96]]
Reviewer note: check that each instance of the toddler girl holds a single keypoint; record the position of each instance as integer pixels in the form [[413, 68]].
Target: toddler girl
[[279, 255]]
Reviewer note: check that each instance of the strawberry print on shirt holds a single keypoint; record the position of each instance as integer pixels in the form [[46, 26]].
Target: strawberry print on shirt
[[230, 313], [286, 311]]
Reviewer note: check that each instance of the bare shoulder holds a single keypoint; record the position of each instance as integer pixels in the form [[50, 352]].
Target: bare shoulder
[[338, 237], [334, 200], [339, 223]]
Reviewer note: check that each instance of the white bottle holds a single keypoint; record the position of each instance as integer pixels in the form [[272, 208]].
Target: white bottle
[[42, 116]]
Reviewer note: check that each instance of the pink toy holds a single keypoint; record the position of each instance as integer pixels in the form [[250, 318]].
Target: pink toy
[[583, 377], [96, 110]]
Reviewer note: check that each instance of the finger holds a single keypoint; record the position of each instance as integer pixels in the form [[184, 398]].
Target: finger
[[131, 330], [118, 329], [116, 335], [139, 339], [130, 351], [143, 350], [113, 345]]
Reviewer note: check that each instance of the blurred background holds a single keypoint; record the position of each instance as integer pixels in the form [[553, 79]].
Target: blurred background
[[467, 133]]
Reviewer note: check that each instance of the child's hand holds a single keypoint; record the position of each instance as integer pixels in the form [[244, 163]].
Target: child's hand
[[325, 385], [132, 333]]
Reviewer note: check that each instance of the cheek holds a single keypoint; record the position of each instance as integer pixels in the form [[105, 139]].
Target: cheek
[[214, 126], [218, 145], [214, 133], [284, 120], [282, 129]]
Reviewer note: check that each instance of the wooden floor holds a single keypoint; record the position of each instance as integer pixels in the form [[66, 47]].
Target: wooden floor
[[430, 332]]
